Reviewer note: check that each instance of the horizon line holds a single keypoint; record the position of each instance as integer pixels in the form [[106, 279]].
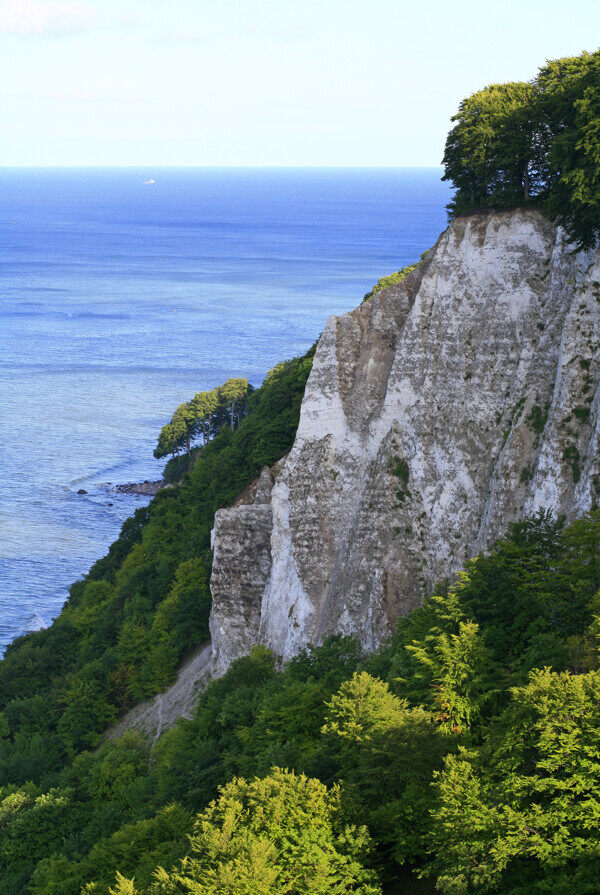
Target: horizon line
[[230, 167]]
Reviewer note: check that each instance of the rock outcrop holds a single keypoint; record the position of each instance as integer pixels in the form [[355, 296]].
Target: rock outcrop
[[241, 541], [157, 714], [435, 414]]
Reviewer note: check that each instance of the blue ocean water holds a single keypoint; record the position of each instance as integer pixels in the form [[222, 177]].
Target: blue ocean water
[[121, 298]]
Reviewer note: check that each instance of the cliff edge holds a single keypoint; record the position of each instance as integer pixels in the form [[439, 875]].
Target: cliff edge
[[435, 414]]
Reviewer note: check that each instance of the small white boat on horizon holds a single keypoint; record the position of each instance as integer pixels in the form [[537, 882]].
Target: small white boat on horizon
[[149, 181]]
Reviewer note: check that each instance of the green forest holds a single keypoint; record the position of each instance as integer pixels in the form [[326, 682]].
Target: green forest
[[462, 757], [535, 143], [464, 754]]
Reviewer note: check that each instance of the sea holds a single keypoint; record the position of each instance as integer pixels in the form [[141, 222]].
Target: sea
[[124, 291]]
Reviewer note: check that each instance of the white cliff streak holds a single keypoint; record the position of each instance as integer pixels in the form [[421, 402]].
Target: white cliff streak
[[435, 414]]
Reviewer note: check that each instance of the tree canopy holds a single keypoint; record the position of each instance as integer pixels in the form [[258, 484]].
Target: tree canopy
[[204, 416], [466, 750], [537, 142], [281, 833]]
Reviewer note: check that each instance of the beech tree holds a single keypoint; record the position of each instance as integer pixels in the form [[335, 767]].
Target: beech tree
[[518, 143], [204, 406], [491, 149], [387, 752], [234, 396], [522, 814], [569, 91], [205, 415], [184, 422], [283, 833]]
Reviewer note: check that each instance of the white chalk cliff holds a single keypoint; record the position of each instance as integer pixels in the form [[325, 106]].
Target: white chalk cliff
[[435, 414]]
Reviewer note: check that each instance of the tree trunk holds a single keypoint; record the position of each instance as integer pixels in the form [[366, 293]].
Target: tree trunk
[[526, 183]]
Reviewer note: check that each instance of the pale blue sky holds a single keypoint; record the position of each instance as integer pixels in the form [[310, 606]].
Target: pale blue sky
[[261, 82]]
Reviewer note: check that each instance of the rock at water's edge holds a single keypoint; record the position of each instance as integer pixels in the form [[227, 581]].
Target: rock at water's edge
[[143, 488]]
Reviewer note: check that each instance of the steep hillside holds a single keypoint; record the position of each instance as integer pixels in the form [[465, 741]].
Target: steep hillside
[[143, 608], [454, 734], [436, 413]]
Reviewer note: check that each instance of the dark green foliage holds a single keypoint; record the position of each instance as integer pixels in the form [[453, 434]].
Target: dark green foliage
[[572, 456], [141, 609], [537, 418], [517, 143], [464, 758], [41, 827], [532, 599], [177, 466], [490, 151], [570, 113], [205, 415], [401, 469], [582, 413], [386, 752]]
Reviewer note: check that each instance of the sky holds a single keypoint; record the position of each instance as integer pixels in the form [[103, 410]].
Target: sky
[[261, 82]]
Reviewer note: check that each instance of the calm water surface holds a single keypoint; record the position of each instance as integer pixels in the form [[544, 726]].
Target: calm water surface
[[119, 299]]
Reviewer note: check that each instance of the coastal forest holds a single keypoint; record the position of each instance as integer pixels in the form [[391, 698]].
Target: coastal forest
[[461, 757]]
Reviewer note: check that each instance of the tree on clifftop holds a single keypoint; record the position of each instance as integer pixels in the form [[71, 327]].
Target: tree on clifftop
[[490, 150], [570, 100], [517, 143]]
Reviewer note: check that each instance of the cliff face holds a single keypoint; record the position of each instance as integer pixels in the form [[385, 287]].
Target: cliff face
[[435, 414]]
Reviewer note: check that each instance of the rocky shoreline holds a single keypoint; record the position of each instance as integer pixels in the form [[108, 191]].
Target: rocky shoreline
[[144, 488]]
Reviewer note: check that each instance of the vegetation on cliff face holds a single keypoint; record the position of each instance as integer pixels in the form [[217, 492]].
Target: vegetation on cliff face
[[394, 278], [536, 142], [466, 750], [143, 607]]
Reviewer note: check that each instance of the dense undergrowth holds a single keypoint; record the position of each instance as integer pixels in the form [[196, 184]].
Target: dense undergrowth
[[466, 750], [128, 624]]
